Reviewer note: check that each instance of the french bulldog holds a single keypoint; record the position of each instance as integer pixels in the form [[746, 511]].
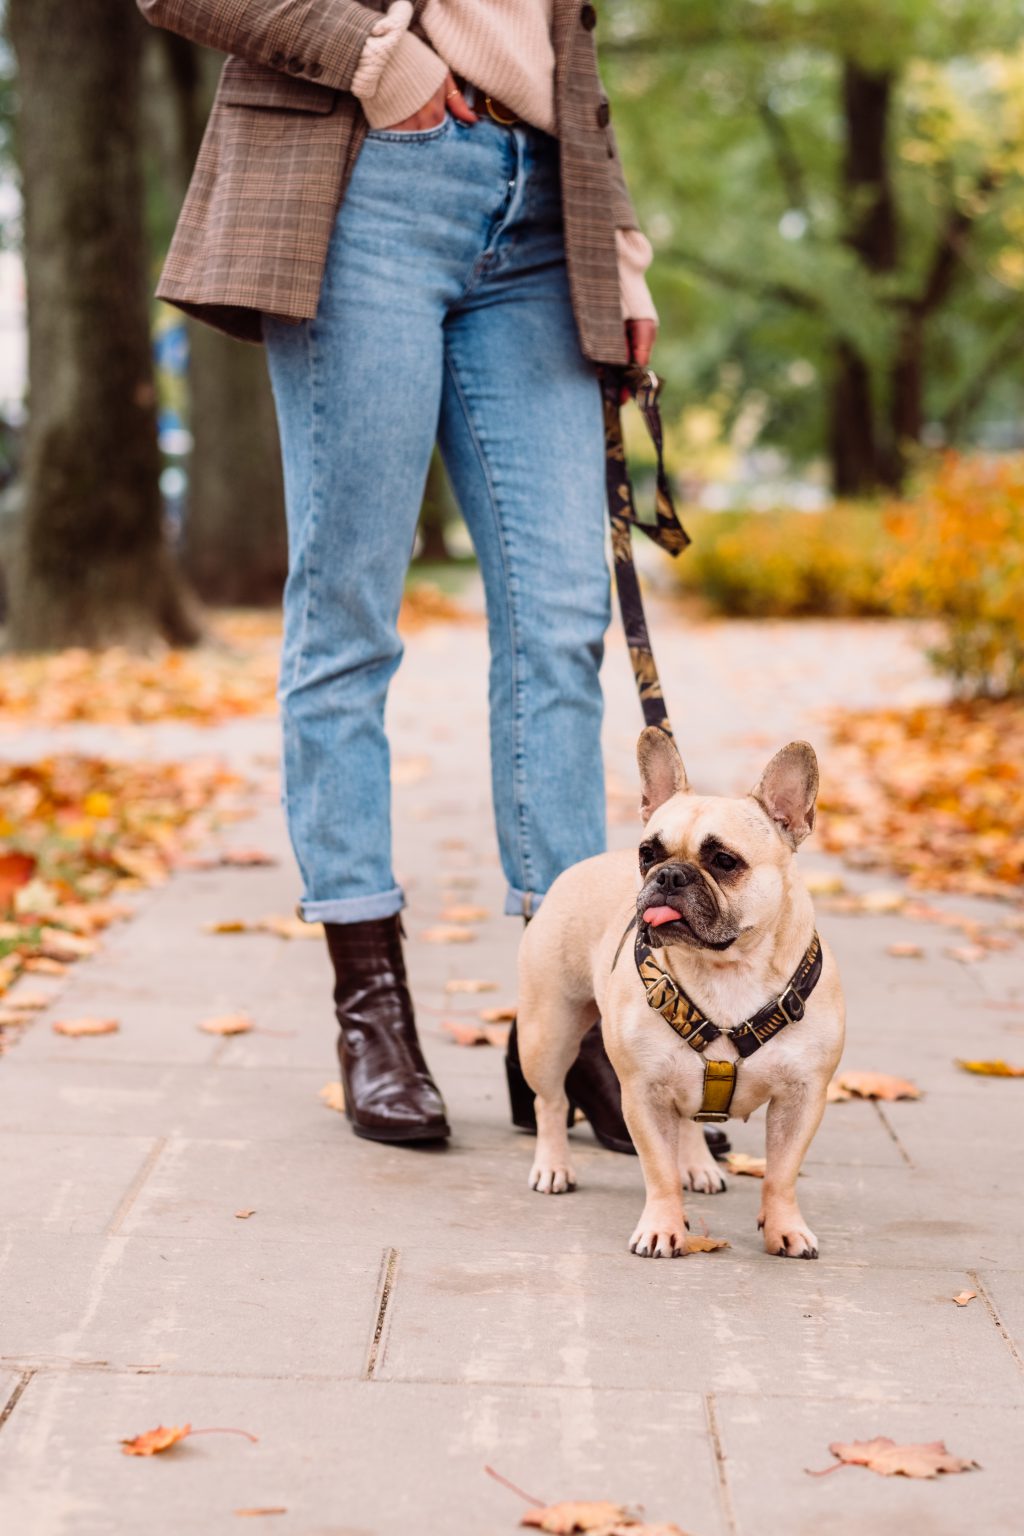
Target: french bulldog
[[720, 905]]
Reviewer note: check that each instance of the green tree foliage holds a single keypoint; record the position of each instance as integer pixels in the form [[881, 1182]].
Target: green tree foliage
[[835, 190]]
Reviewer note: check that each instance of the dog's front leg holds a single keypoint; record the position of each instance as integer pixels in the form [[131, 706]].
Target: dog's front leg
[[661, 1231], [793, 1118]]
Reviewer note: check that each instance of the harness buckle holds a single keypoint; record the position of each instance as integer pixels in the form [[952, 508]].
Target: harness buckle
[[792, 1004]]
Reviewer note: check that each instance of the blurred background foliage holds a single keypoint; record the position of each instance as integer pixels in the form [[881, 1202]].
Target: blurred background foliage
[[835, 193]]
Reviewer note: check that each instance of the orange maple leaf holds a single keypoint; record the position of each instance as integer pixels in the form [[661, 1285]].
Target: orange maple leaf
[[155, 1440], [888, 1459]]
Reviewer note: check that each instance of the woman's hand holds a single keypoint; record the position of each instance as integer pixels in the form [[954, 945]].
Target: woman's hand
[[447, 98], [640, 337]]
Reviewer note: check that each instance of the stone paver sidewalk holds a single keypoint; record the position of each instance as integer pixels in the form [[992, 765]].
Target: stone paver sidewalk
[[389, 1322]]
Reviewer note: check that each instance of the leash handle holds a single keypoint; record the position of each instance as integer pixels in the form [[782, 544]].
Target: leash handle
[[643, 386]]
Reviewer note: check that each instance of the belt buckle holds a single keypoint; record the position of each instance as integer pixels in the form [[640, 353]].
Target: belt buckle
[[792, 1005], [710, 1117], [505, 122]]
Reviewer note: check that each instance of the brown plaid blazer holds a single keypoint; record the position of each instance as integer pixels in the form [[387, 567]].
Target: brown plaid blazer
[[284, 135]]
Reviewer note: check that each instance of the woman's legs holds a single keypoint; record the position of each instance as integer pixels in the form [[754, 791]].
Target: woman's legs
[[522, 436]]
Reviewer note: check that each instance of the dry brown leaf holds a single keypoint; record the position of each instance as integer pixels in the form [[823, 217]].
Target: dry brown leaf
[[705, 1244], [155, 1440], [884, 1456], [228, 925], [246, 858], [227, 1024], [576, 1515], [57, 944], [870, 1085], [475, 1034], [333, 1095], [470, 986], [824, 885], [967, 954], [905, 951], [244, 1215], [450, 933], [506, 1015], [41, 965], [28, 1002], [964, 1297], [76, 1027], [991, 1068], [742, 1162], [16, 870], [461, 913]]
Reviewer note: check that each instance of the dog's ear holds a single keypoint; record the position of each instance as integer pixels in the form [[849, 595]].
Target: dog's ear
[[788, 789], [662, 774]]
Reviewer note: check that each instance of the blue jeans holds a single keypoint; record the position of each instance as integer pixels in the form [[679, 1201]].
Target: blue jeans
[[444, 315]]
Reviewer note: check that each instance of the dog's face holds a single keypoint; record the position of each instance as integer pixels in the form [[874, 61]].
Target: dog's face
[[714, 869]]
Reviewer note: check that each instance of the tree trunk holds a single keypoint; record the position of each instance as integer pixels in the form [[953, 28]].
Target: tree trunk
[[235, 545], [92, 565], [863, 455], [438, 510]]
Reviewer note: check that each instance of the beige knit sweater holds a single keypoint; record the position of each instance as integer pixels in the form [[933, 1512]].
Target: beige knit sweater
[[504, 47]]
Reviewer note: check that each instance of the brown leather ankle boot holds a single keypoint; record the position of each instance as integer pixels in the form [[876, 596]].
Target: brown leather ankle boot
[[389, 1093]]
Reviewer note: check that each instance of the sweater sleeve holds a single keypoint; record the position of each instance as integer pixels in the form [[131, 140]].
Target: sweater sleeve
[[635, 256], [397, 73]]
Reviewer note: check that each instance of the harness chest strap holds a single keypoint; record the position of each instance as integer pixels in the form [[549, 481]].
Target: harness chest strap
[[693, 1026]]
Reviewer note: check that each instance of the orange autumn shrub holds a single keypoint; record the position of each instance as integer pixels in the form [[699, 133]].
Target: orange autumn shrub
[[957, 554]]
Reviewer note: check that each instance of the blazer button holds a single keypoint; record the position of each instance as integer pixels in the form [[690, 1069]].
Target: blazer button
[[604, 115], [277, 60], [588, 18], [315, 70], [296, 66]]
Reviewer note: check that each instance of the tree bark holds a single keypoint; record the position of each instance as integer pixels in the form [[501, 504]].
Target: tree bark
[[235, 548], [91, 566], [864, 456]]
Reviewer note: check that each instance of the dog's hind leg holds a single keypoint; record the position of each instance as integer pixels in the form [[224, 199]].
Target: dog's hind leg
[[550, 1028]]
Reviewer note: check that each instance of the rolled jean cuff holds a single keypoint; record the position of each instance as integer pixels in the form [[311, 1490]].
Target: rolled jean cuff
[[353, 909], [521, 903]]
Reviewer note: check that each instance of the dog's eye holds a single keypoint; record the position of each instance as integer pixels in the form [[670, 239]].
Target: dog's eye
[[649, 854], [724, 861]]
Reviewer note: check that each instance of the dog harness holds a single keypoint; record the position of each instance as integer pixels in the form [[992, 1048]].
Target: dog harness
[[693, 1025]]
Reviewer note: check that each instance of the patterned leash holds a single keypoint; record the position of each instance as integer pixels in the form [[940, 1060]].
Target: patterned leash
[[643, 386]]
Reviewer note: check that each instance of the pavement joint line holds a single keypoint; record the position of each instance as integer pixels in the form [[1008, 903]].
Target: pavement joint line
[[471, 1384], [385, 1291], [135, 1188], [721, 1470], [16, 1395], [890, 1131], [993, 1312]]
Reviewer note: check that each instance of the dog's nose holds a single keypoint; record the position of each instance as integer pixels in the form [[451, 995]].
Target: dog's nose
[[673, 877]]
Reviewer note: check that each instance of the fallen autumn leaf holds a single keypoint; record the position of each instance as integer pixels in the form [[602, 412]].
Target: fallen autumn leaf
[[75, 1027], [333, 1095], [742, 1162], [705, 1244], [448, 933], [888, 1459], [964, 1297], [470, 985], [870, 1085], [991, 1068], [227, 1024], [156, 1440]]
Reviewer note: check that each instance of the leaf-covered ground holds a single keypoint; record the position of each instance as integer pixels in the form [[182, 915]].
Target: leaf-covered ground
[[935, 794], [232, 675]]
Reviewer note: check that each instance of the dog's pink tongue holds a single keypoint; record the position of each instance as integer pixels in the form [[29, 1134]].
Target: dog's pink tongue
[[655, 916]]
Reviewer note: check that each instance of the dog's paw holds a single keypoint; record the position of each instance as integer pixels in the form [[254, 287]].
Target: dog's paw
[[546, 1179], [659, 1235], [703, 1177], [788, 1239]]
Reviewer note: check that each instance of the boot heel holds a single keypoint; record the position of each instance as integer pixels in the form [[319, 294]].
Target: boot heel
[[520, 1096]]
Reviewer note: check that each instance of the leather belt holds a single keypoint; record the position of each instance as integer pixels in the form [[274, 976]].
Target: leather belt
[[490, 106]]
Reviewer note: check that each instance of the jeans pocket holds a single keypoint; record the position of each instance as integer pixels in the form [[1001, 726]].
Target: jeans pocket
[[412, 136]]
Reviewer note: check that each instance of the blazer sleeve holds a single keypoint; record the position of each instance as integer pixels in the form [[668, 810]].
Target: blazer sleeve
[[319, 40]]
